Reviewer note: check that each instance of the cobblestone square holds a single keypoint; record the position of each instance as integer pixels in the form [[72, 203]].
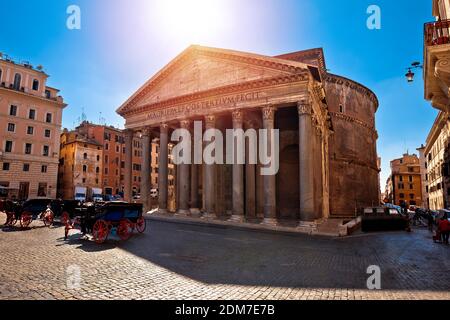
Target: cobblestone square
[[179, 261]]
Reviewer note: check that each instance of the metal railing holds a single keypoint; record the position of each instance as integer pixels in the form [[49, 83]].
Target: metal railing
[[437, 33]]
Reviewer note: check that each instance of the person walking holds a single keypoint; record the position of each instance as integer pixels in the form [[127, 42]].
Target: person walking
[[444, 228], [430, 219]]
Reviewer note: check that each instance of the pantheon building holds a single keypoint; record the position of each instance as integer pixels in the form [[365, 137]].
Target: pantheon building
[[327, 137]]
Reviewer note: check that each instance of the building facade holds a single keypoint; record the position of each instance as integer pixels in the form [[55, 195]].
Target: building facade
[[30, 126], [80, 164], [424, 177], [406, 181], [328, 157], [437, 163]]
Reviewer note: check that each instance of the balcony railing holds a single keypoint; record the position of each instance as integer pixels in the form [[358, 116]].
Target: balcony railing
[[437, 33]]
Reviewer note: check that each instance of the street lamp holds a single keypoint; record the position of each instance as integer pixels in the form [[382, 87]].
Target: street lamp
[[410, 75]]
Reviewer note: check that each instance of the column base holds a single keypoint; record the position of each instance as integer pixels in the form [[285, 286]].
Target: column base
[[163, 211], [182, 212], [270, 222], [237, 218], [195, 212], [208, 216]]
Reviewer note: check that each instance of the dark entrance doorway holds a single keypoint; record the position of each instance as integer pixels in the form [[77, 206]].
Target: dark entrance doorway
[[288, 185]]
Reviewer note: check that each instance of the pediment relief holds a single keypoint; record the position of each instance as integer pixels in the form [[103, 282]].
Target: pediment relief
[[202, 69]]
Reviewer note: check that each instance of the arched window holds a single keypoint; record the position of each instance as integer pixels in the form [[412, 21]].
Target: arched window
[[85, 156], [17, 81], [35, 85], [341, 108], [97, 170], [84, 168]]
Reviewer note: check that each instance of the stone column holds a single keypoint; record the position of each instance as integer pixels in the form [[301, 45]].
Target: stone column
[[250, 180], [163, 159], [210, 176], [238, 172], [269, 181], [306, 169], [184, 175], [128, 174], [195, 206], [146, 169]]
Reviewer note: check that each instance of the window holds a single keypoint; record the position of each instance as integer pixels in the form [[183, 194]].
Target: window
[[341, 108], [11, 127], [13, 110], [85, 156], [28, 147], [47, 133], [0, 75], [26, 167], [106, 170], [42, 189], [48, 118], [84, 168], [48, 95], [5, 166], [401, 178], [98, 158], [30, 130], [402, 195], [117, 149], [35, 85], [17, 81], [44, 169], [84, 180], [410, 178], [106, 159], [46, 151], [32, 114], [97, 170], [8, 146], [411, 196], [106, 146], [411, 187]]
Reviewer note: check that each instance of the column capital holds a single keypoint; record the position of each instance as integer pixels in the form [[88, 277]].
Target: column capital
[[210, 121], [304, 107], [164, 127], [237, 115], [146, 132], [268, 112], [185, 124]]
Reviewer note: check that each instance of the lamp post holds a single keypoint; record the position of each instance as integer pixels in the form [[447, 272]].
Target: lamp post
[[410, 75]]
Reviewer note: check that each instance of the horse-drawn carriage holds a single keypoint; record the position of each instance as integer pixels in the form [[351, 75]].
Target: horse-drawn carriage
[[100, 220], [44, 209]]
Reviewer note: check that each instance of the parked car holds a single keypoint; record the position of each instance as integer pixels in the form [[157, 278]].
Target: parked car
[[383, 219]]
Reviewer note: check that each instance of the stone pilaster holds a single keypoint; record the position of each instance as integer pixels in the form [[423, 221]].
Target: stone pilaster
[[306, 161], [128, 172], [269, 181], [194, 203], [238, 172], [163, 168]]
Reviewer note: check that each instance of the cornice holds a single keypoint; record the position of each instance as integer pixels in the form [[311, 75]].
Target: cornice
[[348, 118], [332, 78]]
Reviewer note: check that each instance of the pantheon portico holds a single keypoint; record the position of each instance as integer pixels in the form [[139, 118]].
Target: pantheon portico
[[293, 93]]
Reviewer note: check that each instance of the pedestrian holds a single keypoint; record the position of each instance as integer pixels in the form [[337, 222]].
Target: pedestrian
[[444, 228], [430, 219]]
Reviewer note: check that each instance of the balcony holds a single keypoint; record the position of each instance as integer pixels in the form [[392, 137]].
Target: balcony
[[437, 64], [437, 33]]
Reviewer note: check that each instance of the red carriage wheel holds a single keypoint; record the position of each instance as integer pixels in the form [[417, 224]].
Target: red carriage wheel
[[65, 218], [49, 217], [141, 225], [25, 219], [100, 231], [125, 229]]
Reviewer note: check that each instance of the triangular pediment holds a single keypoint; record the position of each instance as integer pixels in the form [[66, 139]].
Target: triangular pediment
[[199, 69]]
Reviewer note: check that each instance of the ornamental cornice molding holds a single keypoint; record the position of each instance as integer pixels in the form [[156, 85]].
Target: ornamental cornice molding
[[354, 120], [234, 88], [332, 78], [225, 55]]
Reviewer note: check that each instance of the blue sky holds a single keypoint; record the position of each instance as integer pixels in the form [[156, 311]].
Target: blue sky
[[124, 42]]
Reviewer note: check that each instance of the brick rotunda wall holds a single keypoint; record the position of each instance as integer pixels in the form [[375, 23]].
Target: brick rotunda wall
[[353, 153]]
